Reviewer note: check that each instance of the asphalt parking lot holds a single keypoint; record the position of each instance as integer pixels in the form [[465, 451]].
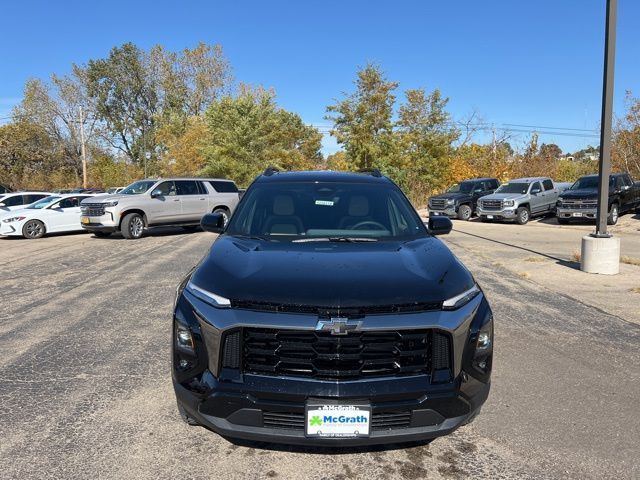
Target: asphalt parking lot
[[85, 388]]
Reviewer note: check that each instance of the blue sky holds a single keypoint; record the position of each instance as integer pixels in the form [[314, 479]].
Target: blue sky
[[533, 63]]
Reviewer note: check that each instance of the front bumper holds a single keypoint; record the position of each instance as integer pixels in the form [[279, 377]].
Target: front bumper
[[507, 213], [243, 406], [448, 211], [109, 222], [11, 229], [577, 213]]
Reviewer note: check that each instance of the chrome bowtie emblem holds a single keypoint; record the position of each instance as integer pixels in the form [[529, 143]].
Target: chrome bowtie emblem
[[338, 326]]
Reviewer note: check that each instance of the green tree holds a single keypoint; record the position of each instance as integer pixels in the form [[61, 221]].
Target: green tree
[[249, 132], [363, 121]]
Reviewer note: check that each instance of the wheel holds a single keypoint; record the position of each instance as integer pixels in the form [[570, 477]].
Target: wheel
[[101, 234], [464, 212], [614, 213], [562, 221], [190, 228], [522, 215], [186, 418], [225, 214], [132, 226], [33, 229]]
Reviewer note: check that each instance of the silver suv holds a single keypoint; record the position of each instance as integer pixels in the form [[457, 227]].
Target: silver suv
[[519, 200], [152, 203]]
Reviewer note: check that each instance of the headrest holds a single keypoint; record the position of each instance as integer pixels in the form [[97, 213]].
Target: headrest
[[283, 205], [358, 206]]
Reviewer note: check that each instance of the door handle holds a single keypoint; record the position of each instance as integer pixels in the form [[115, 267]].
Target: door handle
[[177, 200], [203, 199]]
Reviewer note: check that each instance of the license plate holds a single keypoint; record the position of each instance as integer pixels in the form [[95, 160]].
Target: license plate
[[577, 214], [85, 220], [489, 217], [337, 421]]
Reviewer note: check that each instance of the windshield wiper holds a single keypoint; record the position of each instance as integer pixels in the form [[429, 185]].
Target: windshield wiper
[[256, 237], [335, 239]]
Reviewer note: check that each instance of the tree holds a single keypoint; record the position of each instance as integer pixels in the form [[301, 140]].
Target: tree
[[625, 155], [183, 143], [363, 120], [249, 132], [550, 151]]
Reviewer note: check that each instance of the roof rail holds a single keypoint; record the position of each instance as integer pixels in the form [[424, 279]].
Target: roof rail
[[371, 171], [270, 170]]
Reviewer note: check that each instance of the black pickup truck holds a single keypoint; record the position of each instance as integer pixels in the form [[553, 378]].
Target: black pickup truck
[[581, 200], [461, 199]]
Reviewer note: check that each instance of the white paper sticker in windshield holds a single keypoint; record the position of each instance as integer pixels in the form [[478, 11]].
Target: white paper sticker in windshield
[[326, 203]]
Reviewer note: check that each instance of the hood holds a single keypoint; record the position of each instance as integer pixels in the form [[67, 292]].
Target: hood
[[503, 196], [452, 195], [332, 275], [581, 193], [106, 197]]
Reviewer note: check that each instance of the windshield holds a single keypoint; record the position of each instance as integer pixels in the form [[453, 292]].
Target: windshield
[[463, 187], [137, 188], [513, 188], [589, 183], [43, 202], [331, 211]]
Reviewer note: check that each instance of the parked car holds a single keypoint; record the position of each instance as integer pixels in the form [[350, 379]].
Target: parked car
[[17, 200], [519, 200], [160, 202], [326, 313], [113, 190], [52, 214], [461, 199], [581, 200]]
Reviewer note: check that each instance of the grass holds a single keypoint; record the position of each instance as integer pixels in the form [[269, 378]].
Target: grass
[[524, 275], [630, 260], [576, 256], [635, 290], [537, 259]]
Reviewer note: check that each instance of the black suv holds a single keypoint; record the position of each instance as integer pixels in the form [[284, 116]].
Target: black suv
[[461, 199], [326, 313]]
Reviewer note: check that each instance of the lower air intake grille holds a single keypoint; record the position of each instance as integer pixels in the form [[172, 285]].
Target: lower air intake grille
[[295, 420]]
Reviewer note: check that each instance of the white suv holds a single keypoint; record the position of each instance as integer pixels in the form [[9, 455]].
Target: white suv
[[160, 202]]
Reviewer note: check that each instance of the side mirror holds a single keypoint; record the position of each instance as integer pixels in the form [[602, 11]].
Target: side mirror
[[213, 222], [478, 190], [535, 191], [156, 194], [439, 225]]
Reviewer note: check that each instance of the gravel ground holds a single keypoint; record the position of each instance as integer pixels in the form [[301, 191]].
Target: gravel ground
[[85, 388]]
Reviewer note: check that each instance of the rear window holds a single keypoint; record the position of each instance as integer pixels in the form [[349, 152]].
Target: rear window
[[223, 187]]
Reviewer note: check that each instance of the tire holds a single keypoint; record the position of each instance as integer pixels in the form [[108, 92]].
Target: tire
[[562, 221], [464, 213], [614, 214], [225, 214], [523, 215], [101, 234], [132, 226], [186, 418], [33, 229]]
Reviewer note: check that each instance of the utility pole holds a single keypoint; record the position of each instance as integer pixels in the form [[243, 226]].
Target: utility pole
[[600, 251], [83, 151]]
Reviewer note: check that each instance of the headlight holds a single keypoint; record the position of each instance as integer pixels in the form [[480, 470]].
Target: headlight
[[508, 203], [458, 301], [207, 296], [112, 203], [450, 202], [482, 357], [184, 339], [13, 219]]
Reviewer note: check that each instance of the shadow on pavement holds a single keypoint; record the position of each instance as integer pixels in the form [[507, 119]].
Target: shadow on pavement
[[155, 232]]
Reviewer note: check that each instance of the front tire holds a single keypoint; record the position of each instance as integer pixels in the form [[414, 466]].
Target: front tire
[[523, 215], [464, 213], [132, 226], [614, 214], [33, 229]]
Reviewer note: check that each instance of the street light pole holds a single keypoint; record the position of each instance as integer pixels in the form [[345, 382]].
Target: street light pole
[[604, 167]]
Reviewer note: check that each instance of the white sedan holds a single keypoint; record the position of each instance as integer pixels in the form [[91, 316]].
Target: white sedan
[[56, 213]]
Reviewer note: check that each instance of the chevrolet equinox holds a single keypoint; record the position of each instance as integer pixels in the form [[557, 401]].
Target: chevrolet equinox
[[327, 313]]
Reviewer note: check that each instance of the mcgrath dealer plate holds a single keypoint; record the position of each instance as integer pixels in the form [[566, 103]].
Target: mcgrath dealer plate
[[337, 421]]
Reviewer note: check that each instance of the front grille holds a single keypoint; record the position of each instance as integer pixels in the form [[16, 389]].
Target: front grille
[[295, 420], [321, 355], [438, 203], [92, 209], [579, 204], [491, 204], [328, 312]]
